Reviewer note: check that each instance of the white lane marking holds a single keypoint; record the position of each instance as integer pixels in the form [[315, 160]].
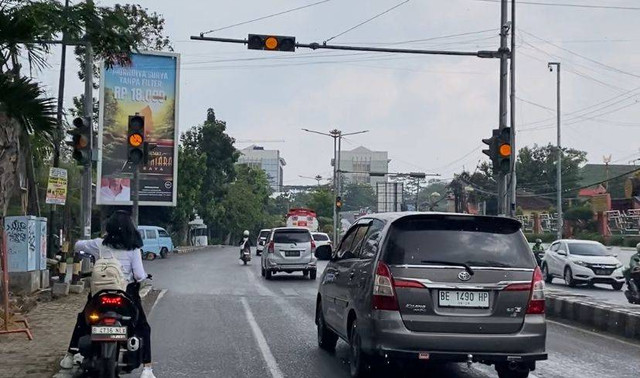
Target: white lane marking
[[596, 334], [262, 342], [162, 293], [256, 282]]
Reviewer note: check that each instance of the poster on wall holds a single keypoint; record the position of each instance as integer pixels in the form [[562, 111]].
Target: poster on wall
[[57, 186], [148, 87]]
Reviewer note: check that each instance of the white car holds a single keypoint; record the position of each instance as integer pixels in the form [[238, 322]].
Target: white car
[[323, 245], [262, 240], [582, 261]]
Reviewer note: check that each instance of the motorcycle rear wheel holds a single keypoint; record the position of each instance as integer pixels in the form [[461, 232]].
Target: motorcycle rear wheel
[[109, 364]]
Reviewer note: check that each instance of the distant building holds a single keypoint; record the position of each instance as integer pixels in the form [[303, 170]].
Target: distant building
[[267, 160], [363, 160]]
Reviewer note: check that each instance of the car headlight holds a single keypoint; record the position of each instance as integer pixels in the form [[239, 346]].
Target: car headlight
[[618, 265], [579, 262]]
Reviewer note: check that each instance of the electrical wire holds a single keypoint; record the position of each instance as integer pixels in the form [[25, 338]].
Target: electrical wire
[[427, 39], [366, 21], [264, 17], [571, 5]]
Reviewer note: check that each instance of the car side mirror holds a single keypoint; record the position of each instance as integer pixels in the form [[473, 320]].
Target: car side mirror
[[562, 253]]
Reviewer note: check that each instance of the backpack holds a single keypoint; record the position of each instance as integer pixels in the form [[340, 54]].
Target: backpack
[[107, 274]]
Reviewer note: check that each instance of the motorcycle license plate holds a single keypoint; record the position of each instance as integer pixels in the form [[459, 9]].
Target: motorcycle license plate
[[104, 333]]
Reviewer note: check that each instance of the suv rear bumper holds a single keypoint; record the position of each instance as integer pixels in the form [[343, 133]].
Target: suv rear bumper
[[275, 267], [389, 336]]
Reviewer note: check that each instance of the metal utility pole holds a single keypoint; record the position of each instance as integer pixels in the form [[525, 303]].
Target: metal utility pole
[[88, 113], [514, 150], [135, 189], [559, 157], [504, 70]]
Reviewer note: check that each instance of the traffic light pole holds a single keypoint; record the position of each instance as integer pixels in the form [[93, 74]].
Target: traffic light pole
[[86, 174], [504, 69], [135, 196]]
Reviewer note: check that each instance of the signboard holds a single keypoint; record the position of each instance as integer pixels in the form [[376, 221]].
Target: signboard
[[601, 203], [57, 186], [148, 87]]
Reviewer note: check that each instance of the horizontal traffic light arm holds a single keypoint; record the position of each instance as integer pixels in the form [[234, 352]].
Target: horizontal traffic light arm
[[317, 46]]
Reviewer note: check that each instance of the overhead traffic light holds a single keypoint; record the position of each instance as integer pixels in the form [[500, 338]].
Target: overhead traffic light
[[135, 139], [338, 202], [81, 140], [499, 150], [271, 42]]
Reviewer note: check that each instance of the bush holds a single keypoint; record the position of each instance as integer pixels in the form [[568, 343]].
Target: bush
[[631, 241]]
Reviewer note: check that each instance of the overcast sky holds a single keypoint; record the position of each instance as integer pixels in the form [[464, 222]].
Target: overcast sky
[[429, 112]]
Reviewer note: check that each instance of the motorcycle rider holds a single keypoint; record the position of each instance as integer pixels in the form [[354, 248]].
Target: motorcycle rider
[[538, 249], [634, 263], [245, 243], [124, 241]]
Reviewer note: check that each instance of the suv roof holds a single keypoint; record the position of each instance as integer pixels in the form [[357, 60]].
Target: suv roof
[[392, 217], [290, 229]]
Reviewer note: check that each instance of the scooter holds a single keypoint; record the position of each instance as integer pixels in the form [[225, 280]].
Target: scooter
[[633, 287], [112, 347], [246, 255]]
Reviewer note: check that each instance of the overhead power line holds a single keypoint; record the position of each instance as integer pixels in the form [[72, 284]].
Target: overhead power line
[[570, 5], [367, 20], [264, 17]]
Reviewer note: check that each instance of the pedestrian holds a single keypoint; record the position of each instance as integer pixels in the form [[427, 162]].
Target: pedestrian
[[123, 241]]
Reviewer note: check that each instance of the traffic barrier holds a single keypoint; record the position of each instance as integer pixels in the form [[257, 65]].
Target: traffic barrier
[[619, 320]]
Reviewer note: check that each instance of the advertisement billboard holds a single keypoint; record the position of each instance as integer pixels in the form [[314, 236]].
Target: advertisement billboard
[[148, 87]]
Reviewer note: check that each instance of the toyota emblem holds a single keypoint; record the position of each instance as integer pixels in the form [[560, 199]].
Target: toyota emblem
[[464, 276]]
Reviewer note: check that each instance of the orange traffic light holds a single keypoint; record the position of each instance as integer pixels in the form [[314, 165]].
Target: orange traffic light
[[135, 140], [271, 43], [505, 150]]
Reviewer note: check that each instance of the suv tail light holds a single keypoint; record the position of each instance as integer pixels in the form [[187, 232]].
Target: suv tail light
[[271, 248], [536, 301], [313, 247], [384, 297]]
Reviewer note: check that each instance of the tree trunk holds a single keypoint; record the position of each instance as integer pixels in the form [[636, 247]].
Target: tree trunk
[[9, 159], [33, 203]]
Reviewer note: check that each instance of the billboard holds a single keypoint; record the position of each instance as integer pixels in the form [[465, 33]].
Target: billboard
[[389, 196], [148, 87]]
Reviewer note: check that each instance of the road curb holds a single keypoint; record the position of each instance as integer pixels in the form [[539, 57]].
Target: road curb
[[618, 320], [183, 250]]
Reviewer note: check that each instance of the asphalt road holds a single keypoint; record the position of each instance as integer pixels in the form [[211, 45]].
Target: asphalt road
[[218, 318]]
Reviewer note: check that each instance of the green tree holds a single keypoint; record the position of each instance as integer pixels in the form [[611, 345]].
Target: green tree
[[536, 167], [358, 196], [245, 203], [321, 201]]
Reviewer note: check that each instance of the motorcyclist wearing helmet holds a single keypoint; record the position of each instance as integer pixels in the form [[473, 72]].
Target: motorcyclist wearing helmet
[[246, 242], [538, 251], [634, 263]]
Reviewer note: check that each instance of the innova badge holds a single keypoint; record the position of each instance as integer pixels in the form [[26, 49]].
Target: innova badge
[[464, 276]]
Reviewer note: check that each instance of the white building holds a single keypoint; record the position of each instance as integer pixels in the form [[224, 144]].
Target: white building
[[362, 159], [267, 160]]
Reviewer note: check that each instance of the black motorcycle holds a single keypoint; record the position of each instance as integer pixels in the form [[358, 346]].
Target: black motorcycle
[[112, 347], [633, 287]]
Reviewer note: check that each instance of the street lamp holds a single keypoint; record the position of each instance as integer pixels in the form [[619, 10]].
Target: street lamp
[[551, 65], [337, 141]]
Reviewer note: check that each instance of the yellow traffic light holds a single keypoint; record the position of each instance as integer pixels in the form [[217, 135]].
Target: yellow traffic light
[[271, 43], [135, 140], [505, 150]]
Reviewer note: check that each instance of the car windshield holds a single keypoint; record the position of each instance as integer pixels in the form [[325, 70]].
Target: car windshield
[[588, 249], [292, 236], [471, 241], [320, 237]]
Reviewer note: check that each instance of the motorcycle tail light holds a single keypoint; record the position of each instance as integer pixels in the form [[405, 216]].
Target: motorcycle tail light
[[109, 321], [111, 300]]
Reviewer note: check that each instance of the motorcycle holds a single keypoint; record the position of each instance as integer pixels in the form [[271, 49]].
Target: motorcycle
[[246, 255], [633, 287], [112, 347]]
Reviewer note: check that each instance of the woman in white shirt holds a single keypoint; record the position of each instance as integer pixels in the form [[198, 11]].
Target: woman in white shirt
[[123, 241]]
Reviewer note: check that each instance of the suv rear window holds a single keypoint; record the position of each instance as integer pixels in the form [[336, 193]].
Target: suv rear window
[[320, 237], [476, 241], [292, 236]]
